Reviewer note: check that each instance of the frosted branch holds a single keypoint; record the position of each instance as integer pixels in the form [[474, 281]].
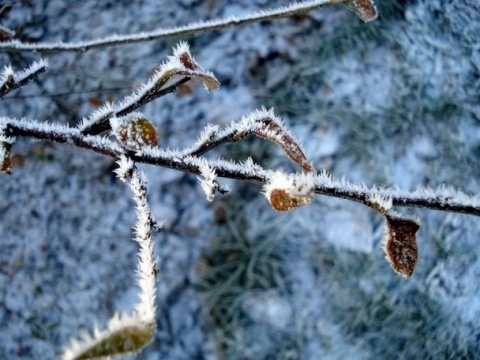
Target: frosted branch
[[128, 333], [445, 199], [178, 69], [360, 7], [10, 80]]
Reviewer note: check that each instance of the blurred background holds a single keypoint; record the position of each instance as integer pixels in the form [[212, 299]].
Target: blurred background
[[392, 102]]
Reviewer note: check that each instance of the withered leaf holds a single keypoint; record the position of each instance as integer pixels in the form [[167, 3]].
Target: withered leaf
[[275, 133], [195, 70], [5, 161], [365, 9], [284, 200], [401, 245], [124, 341], [188, 61]]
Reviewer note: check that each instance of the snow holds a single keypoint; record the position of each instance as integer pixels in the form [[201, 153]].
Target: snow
[[355, 232], [390, 103]]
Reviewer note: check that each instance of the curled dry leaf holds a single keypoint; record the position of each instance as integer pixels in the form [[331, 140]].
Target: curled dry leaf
[[365, 9], [195, 70], [187, 60], [286, 194], [124, 341], [401, 245], [285, 200], [278, 135]]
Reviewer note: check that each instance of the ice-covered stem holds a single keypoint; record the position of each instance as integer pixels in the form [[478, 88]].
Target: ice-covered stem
[[440, 199], [147, 269], [10, 80], [100, 117], [358, 6], [443, 198], [128, 333], [178, 69]]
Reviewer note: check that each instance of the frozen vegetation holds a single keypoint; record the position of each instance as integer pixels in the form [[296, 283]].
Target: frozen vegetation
[[384, 113]]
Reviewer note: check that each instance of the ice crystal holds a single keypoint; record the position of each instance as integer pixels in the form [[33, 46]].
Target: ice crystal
[[208, 180], [125, 168]]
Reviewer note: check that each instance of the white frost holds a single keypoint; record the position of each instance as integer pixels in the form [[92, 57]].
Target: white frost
[[208, 180]]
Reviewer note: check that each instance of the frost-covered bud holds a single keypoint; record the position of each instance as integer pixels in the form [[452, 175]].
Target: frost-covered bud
[[287, 193], [134, 131], [5, 163]]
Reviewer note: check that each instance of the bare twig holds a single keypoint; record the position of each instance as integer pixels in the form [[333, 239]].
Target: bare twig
[[158, 34]]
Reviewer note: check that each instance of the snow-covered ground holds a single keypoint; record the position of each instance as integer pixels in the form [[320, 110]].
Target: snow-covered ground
[[392, 102]]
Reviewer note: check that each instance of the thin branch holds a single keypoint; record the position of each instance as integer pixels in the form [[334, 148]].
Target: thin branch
[[180, 64], [440, 199], [105, 124], [66, 93], [158, 34], [11, 80]]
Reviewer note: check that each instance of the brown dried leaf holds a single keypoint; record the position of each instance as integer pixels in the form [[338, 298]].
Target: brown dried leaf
[[401, 245], [95, 101], [195, 70], [5, 34], [124, 341], [365, 9], [6, 167], [275, 133], [284, 200], [209, 82], [188, 61]]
